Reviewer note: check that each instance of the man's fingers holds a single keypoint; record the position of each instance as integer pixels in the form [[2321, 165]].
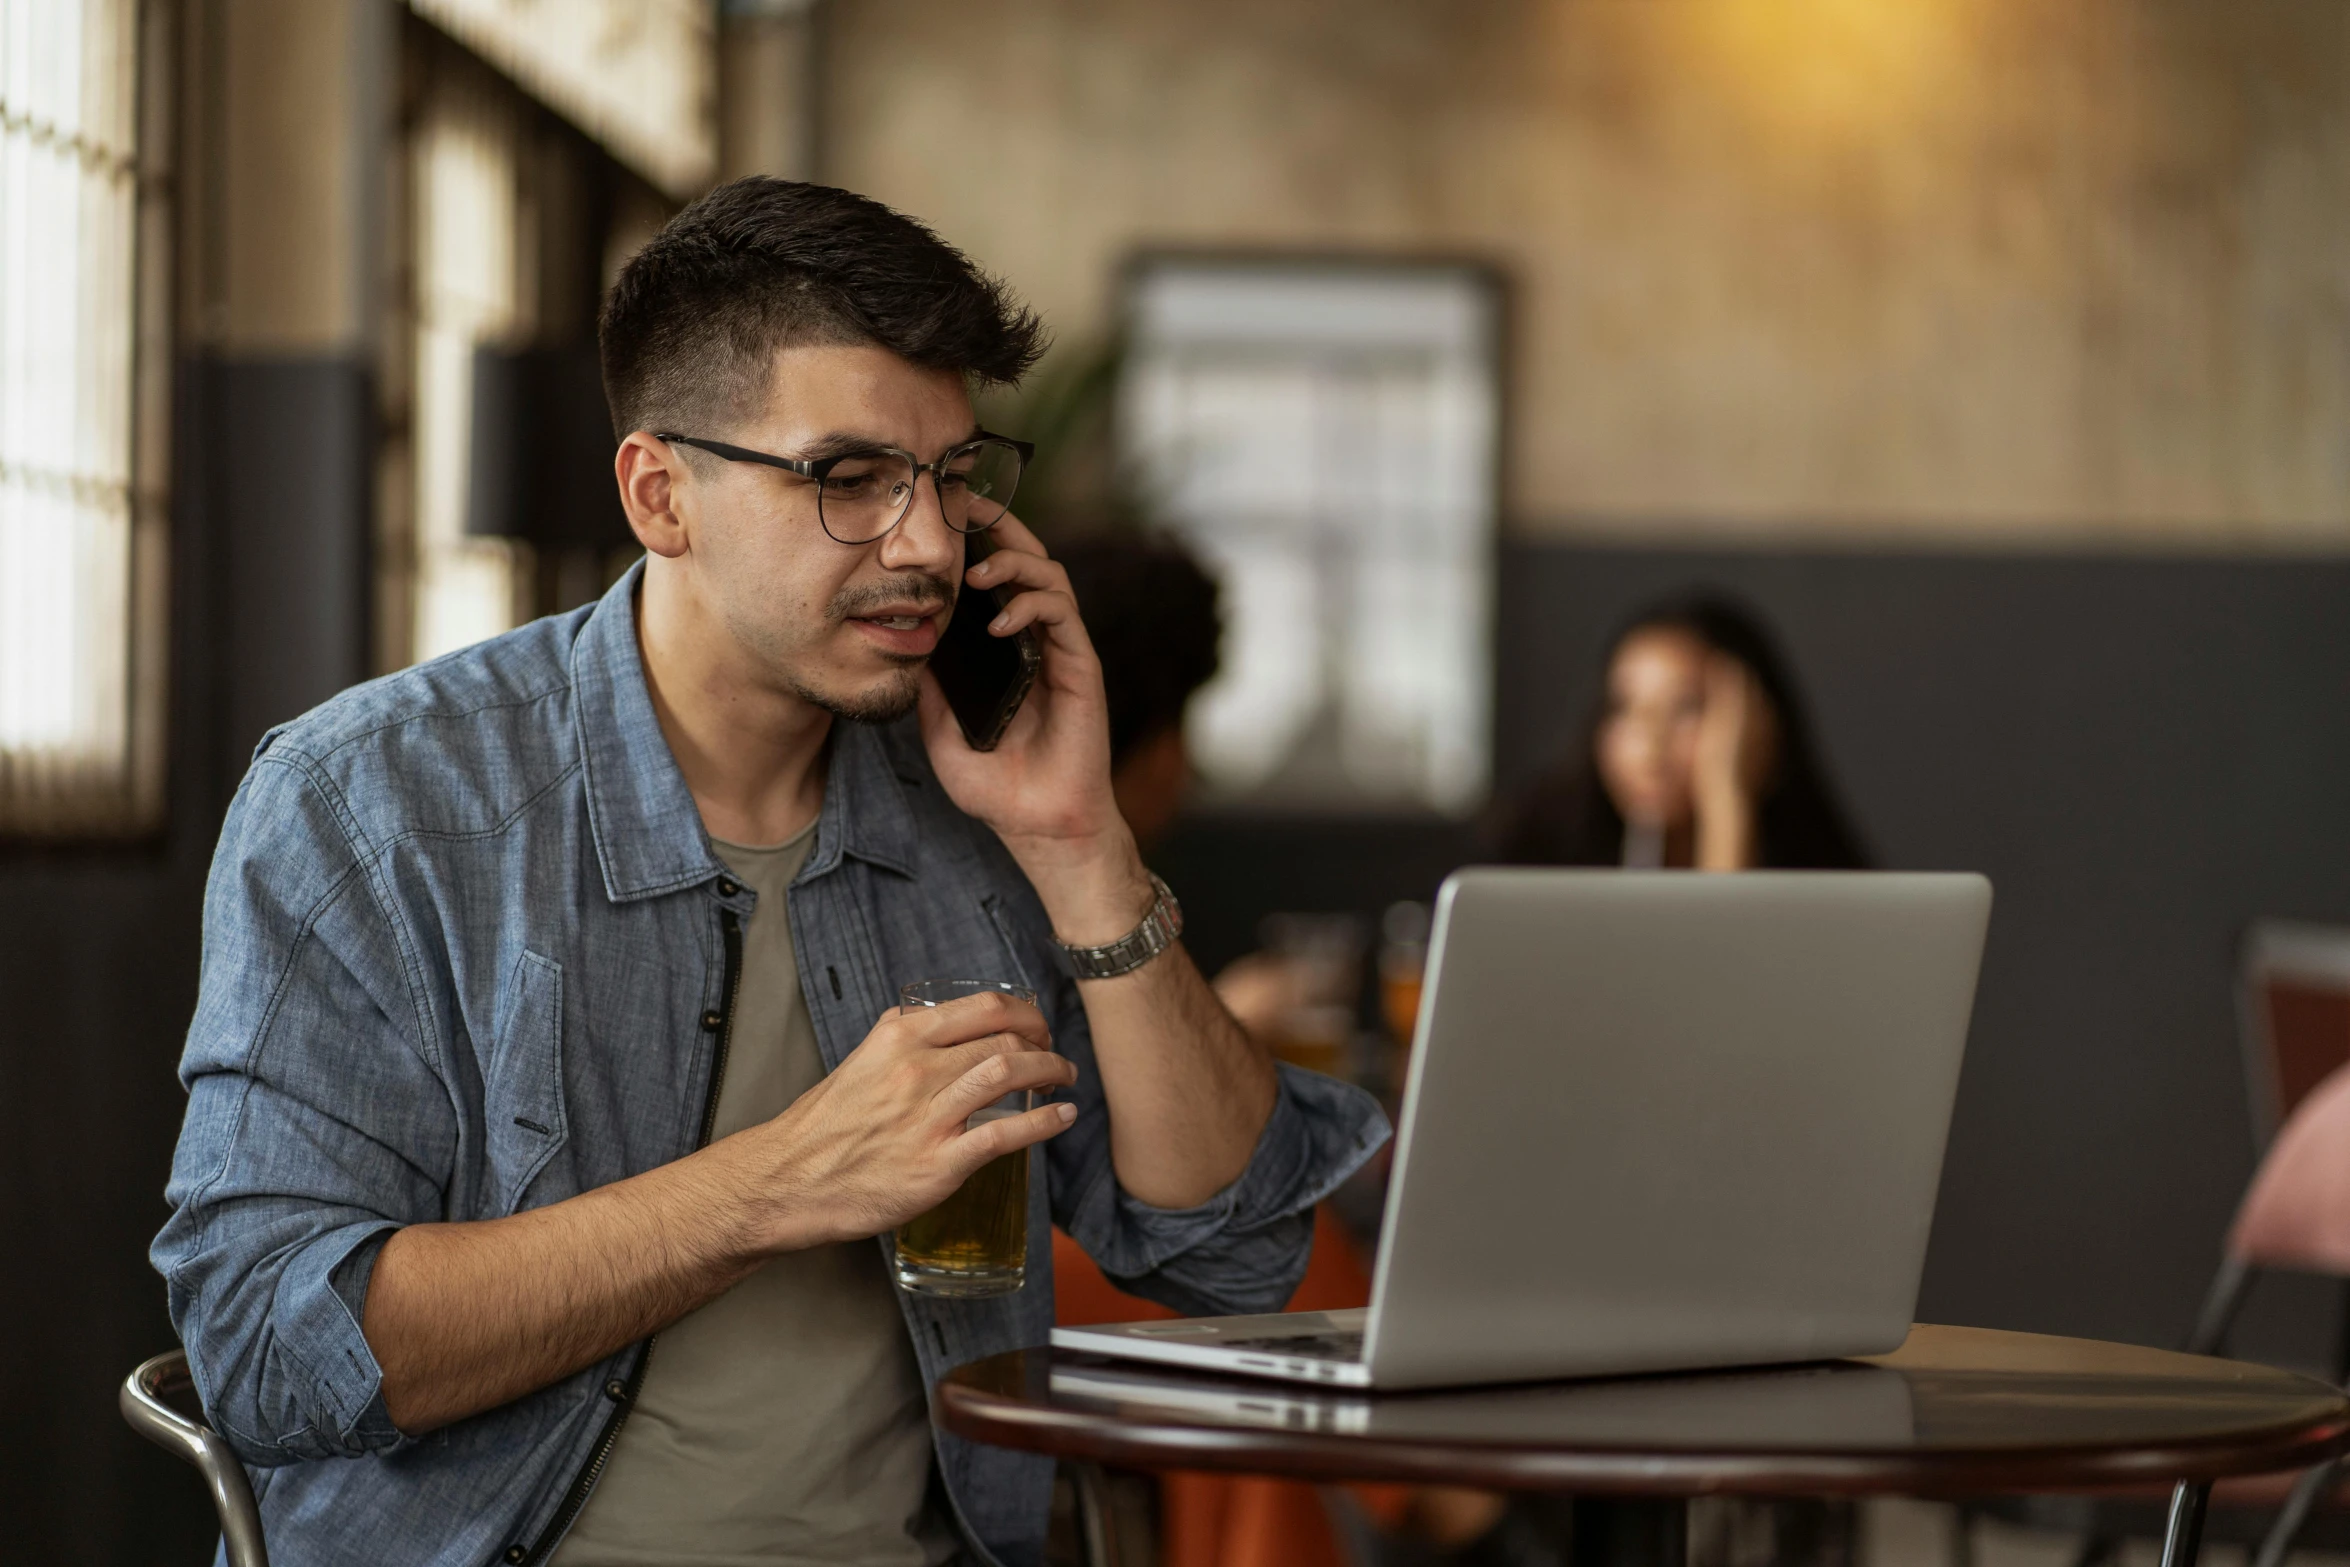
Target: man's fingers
[[1000, 1072], [1010, 1133], [974, 1017], [1010, 533], [1042, 598], [1044, 601], [1055, 611], [954, 1060], [1019, 569]]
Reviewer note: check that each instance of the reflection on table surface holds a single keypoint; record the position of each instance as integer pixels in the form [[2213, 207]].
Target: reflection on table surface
[[1946, 1389]]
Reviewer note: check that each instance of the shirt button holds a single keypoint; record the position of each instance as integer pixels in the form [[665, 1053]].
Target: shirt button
[[616, 1390], [727, 889], [711, 1020], [515, 1553]]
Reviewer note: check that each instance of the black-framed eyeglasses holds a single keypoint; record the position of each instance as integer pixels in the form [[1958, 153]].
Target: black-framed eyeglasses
[[861, 495]]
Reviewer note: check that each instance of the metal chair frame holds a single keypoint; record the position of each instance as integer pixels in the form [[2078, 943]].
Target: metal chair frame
[[142, 1404]]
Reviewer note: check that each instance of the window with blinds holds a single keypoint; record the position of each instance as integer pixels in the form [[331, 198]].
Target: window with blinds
[[1326, 435], [73, 704]]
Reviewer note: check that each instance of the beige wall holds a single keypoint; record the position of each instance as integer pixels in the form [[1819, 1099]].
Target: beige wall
[[2005, 269], [286, 174]]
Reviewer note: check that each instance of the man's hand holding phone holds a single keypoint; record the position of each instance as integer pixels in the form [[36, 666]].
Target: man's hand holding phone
[[1045, 787]]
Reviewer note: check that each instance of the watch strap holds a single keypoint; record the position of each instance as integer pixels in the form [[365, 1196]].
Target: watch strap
[[1154, 935]]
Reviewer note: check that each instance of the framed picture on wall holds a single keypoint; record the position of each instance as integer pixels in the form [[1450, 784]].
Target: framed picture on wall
[[1326, 433]]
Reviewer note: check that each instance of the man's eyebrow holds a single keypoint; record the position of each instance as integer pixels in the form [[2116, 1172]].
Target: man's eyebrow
[[845, 443], [842, 443]]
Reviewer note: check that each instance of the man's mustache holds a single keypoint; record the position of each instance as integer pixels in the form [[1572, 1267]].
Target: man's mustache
[[925, 590]]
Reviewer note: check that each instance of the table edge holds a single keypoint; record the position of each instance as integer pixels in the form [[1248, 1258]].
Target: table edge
[[980, 1415]]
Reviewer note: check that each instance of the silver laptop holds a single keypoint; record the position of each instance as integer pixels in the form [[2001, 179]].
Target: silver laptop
[[1654, 1121]]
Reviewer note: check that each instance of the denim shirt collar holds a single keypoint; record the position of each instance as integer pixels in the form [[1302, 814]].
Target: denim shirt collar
[[648, 831]]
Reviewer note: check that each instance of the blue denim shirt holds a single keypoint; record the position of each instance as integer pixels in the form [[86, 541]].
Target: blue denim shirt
[[466, 952]]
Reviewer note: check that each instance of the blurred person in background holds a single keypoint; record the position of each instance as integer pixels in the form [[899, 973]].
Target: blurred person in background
[[1700, 756], [1157, 624]]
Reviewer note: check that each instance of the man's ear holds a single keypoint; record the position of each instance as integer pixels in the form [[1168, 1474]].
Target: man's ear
[[651, 472]]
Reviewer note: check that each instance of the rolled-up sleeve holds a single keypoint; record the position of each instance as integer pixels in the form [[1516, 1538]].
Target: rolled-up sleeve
[[1244, 1249], [317, 1124]]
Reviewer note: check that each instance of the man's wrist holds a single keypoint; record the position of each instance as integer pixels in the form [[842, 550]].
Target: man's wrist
[[750, 1204], [1094, 892]]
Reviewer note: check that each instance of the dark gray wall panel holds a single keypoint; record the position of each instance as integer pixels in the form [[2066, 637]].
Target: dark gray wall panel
[[294, 489]]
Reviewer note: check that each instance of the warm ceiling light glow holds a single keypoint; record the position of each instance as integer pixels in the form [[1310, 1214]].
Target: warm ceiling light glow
[[1821, 68]]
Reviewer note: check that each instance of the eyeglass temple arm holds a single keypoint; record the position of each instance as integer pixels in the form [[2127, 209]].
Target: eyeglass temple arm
[[806, 470]]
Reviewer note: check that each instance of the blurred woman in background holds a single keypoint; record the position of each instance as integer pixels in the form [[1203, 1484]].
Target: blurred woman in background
[[1700, 756]]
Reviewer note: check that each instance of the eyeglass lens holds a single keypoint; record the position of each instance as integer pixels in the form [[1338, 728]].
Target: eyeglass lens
[[862, 498]]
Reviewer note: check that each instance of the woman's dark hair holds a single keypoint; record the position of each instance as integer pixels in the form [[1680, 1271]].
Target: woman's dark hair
[[1152, 613], [1566, 817], [690, 331]]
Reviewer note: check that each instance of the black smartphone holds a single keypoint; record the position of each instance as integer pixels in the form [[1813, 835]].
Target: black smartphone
[[985, 677]]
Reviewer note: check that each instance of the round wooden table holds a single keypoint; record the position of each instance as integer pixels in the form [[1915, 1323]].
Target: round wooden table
[[1954, 1412]]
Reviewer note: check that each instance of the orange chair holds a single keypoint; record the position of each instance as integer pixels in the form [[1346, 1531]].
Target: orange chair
[[1217, 1520]]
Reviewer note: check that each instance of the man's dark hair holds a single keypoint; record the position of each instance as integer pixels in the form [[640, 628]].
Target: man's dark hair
[[690, 331], [1153, 617]]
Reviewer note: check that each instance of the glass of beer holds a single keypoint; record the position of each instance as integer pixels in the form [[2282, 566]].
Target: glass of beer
[[976, 1242]]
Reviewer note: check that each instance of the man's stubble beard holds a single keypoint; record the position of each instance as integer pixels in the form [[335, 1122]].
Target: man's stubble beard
[[885, 701]]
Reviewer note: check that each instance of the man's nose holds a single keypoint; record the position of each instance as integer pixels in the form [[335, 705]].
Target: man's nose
[[922, 538]]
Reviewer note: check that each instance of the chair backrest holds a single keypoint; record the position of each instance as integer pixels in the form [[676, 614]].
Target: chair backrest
[[2296, 1213], [2293, 1004]]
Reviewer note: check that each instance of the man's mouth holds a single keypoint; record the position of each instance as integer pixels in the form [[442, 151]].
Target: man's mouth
[[902, 634]]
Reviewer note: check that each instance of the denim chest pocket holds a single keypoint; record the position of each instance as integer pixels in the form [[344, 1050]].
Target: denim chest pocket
[[522, 1083], [999, 919]]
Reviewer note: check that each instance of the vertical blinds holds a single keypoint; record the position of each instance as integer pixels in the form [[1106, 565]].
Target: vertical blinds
[[68, 225]]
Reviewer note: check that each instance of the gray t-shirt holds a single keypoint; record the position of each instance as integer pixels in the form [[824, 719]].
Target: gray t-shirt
[[784, 1422]]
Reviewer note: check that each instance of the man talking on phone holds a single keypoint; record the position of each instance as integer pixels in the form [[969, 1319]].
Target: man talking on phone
[[549, 1110]]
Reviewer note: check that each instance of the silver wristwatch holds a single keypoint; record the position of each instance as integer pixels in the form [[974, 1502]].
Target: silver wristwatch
[[1154, 935]]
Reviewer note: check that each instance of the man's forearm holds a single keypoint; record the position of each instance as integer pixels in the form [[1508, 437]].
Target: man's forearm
[[1188, 1091], [471, 1316], [465, 1317]]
